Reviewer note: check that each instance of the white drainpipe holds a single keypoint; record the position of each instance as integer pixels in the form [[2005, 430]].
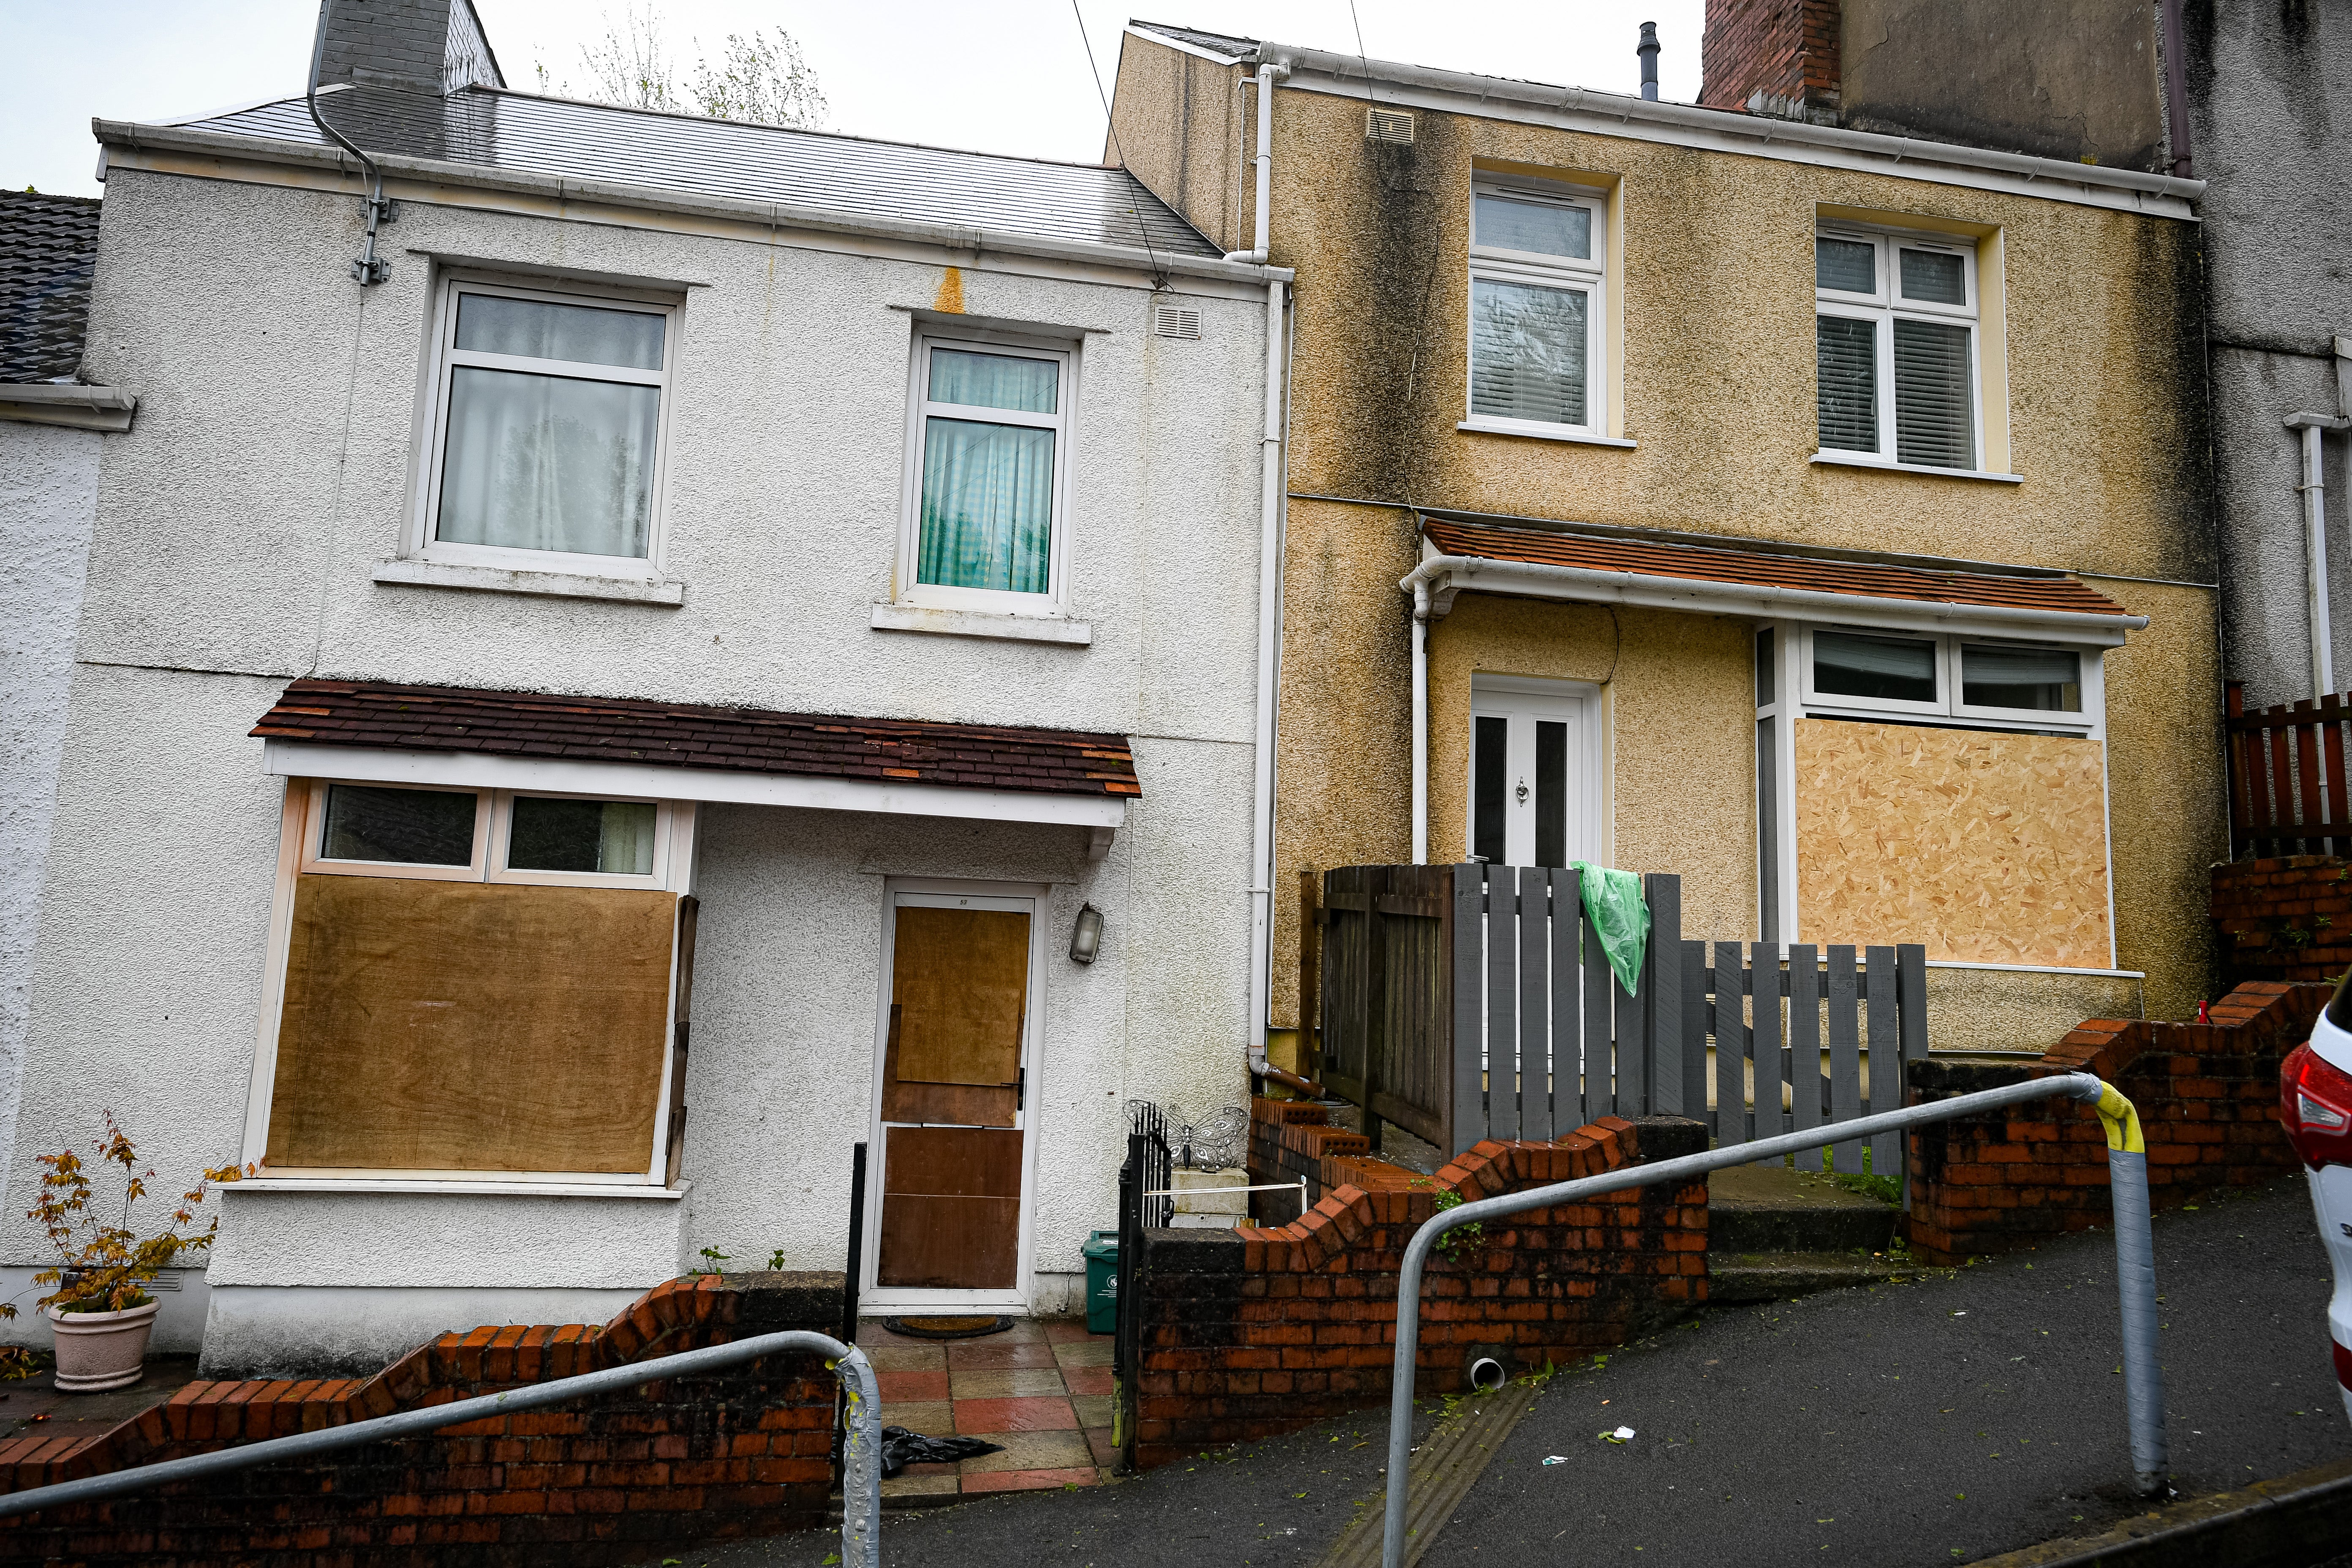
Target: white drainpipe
[[1420, 718], [2313, 487], [1268, 73]]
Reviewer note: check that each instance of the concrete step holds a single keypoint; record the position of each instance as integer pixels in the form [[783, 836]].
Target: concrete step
[[1772, 1208], [1782, 1275]]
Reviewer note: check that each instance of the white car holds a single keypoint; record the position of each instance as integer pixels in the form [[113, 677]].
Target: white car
[[2316, 1105]]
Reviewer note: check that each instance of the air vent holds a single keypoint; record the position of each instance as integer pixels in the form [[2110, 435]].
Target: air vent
[[1388, 125], [1175, 321]]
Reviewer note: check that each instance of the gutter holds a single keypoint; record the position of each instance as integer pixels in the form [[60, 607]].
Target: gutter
[[62, 402], [767, 216]]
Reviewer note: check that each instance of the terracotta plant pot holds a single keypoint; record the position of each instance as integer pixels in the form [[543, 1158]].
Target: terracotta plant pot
[[102, 1349]]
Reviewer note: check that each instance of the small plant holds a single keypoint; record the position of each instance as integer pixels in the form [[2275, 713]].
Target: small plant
[[1461, 1238], [715, 1259], [102, 1267], [776, 1261]]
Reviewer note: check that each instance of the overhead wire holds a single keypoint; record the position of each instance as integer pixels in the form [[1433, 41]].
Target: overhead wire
[[1142, 224]]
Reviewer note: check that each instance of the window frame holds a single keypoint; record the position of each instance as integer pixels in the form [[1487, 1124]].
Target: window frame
[[907, 590], [1497, 265], [443, 358], [493, 823], [1884, 306], [1947, 710]]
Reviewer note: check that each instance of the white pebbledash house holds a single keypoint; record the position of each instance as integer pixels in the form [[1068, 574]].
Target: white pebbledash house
[[682, 574]]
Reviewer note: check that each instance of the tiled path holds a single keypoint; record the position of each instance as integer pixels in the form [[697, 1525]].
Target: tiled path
[[1041, 1388]]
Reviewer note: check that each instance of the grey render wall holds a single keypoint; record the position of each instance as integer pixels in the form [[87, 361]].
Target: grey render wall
[[2271, 110], [238, 528], [48, 496]]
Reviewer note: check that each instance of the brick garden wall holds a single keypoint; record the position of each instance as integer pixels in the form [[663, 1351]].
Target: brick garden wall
[[2208, 1101], [2285, 919], [1250, 1332], [1290, 1139], [747, 1452]]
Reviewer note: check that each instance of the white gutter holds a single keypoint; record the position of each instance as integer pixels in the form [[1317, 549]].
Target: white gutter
[[1268, 73], [1433, 583]]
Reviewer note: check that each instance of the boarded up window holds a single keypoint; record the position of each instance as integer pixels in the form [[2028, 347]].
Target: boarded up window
[[1987, 846], [959, 979], [470, 1026]]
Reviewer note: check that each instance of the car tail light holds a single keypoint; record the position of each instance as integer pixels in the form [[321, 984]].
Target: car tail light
[[2343, 1365], [2316, 1107]]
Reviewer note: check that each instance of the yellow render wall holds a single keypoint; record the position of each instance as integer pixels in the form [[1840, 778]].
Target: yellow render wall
[[1989, 848]]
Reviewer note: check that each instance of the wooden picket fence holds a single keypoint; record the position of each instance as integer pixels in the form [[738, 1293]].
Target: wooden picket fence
[[2287, 777], [1470, 1001]]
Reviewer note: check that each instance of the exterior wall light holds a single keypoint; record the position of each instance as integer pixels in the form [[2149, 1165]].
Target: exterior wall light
[[1086, 937]]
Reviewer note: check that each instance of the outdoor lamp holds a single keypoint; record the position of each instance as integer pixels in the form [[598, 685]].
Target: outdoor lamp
[[1086, 937]]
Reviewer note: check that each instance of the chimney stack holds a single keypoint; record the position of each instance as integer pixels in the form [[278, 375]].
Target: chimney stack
[[420, 46], [1772, 57], [1648, 50]]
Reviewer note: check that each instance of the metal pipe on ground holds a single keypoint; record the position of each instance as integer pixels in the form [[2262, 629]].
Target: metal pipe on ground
[[861, 1481], [2135, 1256]]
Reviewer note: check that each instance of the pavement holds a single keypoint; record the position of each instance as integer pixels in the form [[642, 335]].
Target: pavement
[[1040, 1391], [1953, 1417]]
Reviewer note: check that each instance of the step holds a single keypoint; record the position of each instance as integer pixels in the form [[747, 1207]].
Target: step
[[1783, 1275], [1772, 1208]]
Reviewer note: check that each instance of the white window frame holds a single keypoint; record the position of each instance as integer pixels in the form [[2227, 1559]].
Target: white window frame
[[1885, 305], [1062, 422], [1947, 710], [446, 357], [303, 824], [1575, 702], [1497, 265]]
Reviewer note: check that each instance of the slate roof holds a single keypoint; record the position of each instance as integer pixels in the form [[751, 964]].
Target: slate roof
[[2025, 589], [1085, 203], [48, 245], [537, 726], [1215, 43]]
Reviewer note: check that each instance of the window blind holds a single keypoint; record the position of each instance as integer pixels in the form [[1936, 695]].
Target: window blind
[[1527, 352], [1935, 423], [1847, 372]]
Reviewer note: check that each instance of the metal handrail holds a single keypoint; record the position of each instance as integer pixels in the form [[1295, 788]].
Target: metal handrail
[[861, 1481], [2135, 1255]]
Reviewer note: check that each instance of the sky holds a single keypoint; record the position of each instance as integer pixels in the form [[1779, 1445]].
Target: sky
[[999, 75]]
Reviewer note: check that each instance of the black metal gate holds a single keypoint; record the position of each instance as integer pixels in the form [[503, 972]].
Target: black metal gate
[[1150, 1167]]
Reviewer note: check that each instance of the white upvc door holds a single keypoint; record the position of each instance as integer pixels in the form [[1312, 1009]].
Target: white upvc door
[[1536, 795]]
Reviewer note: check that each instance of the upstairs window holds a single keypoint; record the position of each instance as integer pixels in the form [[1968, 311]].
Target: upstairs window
[[1536, 265], [989, 443], [1895, 341], [549, 433]]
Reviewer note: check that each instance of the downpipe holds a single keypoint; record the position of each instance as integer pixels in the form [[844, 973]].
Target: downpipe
[[1268, 73], [861, 1479], [2134, 1258]]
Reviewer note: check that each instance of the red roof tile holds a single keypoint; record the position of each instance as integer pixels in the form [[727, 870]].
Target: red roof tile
[[1864, 579], [685, 735]]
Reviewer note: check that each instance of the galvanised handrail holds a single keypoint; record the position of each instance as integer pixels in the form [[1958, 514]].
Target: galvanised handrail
[[2134, 1254], [861, 1481]]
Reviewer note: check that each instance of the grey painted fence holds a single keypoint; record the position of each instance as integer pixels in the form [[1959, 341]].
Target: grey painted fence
[[1469, 1001]]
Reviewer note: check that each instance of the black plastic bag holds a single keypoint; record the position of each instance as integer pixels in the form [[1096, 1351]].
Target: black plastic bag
[[901, 1447]]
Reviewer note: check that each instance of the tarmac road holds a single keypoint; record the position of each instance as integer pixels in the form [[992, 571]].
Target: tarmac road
[[1951, 1419]]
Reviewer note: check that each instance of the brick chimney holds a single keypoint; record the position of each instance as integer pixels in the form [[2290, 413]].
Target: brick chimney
[[1772, 57], [424, 46]]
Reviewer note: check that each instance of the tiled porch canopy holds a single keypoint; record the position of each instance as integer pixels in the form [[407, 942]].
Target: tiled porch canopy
[[1759, 578], [590, 745]]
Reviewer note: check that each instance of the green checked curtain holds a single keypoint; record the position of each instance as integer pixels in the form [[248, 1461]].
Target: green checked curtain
[[988, 488]]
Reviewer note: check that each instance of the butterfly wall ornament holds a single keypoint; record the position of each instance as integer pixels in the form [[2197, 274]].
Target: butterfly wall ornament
[[1210, 1143]]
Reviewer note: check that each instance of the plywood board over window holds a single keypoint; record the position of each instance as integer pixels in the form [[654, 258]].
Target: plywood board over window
[[434, 1026], [959, 984], [1988, 847]]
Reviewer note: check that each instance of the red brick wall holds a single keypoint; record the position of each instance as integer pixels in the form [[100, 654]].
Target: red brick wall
[[1786, 48], [1290, 1139], [2288, 919], [1250, 1332], [742, 1452], [2208, 1101]]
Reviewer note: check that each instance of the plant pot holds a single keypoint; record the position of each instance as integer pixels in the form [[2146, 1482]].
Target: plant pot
[[99, 1350]]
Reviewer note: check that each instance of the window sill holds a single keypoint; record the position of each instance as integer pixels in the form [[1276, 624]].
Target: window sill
[[896, 617], [470, 1189], [411, 572], [1536, 433], [1839, 460]]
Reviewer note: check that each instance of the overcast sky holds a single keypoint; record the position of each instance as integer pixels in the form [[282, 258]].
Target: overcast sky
[[1002, 75]]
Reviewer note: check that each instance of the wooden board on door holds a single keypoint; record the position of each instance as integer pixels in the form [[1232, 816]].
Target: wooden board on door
[[950, 1208]]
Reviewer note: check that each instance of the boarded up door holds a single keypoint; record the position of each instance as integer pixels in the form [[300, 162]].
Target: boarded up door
[[952, 1100]]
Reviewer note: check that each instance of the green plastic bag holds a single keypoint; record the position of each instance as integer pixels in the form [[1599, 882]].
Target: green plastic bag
[[1620, 917]]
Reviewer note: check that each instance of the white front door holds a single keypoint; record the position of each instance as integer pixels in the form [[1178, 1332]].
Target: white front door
[[1535, 771]]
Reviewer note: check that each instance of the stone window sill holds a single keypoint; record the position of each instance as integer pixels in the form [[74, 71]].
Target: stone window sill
[[896, 617], [471, 1189], [1541, 433], [1839, 459], [416, 574]]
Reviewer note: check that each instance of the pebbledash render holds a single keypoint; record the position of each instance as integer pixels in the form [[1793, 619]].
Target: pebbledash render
[[745, 642], [1819, 516]]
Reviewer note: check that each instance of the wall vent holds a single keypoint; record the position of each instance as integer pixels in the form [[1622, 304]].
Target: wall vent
[[1388, 125], [1176, 320]]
